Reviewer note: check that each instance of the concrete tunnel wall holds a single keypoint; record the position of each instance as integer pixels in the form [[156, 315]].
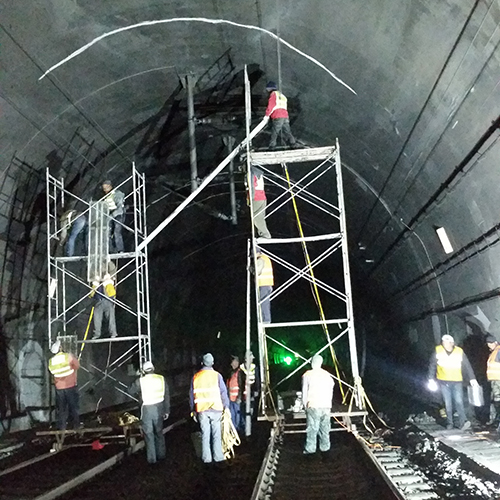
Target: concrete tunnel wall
[[417, 143]]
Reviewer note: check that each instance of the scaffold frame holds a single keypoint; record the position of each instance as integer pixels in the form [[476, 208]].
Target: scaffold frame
[[63, 311]]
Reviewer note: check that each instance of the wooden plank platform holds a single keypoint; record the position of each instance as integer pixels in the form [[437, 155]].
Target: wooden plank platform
[[291, 155]]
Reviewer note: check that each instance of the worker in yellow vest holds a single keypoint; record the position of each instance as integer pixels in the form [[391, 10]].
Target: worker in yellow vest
[[277, 112], [104, 294], [449, 365], [317, 396], [115, 201], [208, 399], [265, 281], [155, 409], [63, 367], [493, 376]]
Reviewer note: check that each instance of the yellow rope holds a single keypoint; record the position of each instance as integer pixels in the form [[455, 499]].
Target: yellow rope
[[86, 332], [314, 285], [230, 437]]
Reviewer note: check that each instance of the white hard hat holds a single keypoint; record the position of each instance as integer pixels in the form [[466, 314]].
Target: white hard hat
[[148, 366], [447, 338], [55, 346]]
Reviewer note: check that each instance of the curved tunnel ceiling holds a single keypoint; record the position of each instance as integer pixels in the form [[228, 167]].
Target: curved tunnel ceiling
[[418, 135]]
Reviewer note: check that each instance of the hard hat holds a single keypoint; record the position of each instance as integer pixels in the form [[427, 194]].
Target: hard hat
[[208, 359], [106, 277], [55, 347], [316, 361], [447, 338], [107, 182], [148, 367], [271, 85], [490, 339]]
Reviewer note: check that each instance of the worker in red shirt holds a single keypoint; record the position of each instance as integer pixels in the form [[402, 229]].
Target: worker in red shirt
[[259, 201], [277, 112], [63, 367]]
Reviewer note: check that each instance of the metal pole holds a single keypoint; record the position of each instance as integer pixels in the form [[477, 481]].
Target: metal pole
[[232, 187], [192, 138], [347, 282], [204, 184], [248, 361]]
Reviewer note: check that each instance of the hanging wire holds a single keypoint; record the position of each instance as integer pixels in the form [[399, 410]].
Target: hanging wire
[[278, 42]]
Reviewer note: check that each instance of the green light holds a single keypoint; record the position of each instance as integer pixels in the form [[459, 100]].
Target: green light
[[287, 360]]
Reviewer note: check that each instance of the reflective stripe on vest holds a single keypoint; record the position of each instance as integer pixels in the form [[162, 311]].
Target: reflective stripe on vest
[[449, 366], [110, 201], [266, 277], [251, 376], [152, 389], [206, 391], [233, 386], [493, 367], [281, 102], [59, 365], [319, 389]]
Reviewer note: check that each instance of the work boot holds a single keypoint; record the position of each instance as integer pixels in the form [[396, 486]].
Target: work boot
[[114, 335], [465, 426], [96, 336]]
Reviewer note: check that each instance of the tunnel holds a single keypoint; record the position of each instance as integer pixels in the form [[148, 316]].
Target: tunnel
[[408, 88]]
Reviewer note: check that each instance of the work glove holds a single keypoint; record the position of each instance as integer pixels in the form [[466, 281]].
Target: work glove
[[432, 385], [474, 383], [194, 416], [165, 417]]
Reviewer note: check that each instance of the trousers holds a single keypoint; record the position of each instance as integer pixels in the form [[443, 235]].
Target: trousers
[[104, 308], [79, 225], [453, 396], [318, 426], [68, 403], [259, 218], [265, 303], [115, 233], [281, 125], [152, 428], [235, 409], [211, 436]]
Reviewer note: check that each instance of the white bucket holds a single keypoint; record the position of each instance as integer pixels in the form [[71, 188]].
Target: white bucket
[[475, 395]]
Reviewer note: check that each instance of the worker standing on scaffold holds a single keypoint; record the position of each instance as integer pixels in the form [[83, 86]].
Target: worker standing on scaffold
[[115, 200], [278, 113], [104, 294], [259, 202], [63, 367]]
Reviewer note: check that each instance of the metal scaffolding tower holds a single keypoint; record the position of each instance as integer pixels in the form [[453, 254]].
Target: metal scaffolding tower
[[70, 279], [309, 181]]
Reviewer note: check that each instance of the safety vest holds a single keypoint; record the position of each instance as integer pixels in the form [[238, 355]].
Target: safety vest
[[152, 388], [281, 101], [109, 199], [493, 366], [319, 389], [59, 365], [449, 366], [266, 278], [233, 386], [206, 391], [251, 374]]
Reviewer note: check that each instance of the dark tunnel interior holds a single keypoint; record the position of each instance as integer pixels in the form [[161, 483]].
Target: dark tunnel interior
[[410, 89]]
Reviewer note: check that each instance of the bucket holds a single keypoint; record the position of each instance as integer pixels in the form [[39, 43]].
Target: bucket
[[475, 395]]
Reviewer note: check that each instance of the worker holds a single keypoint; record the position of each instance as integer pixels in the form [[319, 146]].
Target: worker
[[265, 282], [493, 376], [278, 113], [259, 202], [236, 389], [64, 366], [317, 396], [253, 377], [74, 223], [104, 294], [115, 200], [449, 365], [155, 409], [208, 399]]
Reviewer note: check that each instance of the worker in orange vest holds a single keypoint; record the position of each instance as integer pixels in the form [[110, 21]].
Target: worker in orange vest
[[493, 375], [265, 281], [208, 399], [278, 113], [236, 389]]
